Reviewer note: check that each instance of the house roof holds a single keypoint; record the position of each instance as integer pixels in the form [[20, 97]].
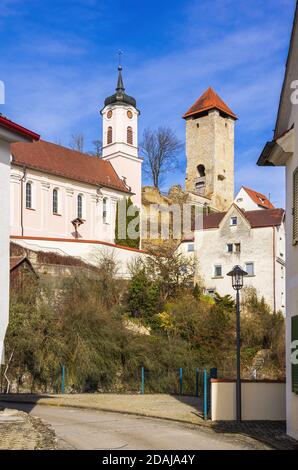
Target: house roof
[[16, 261], [259, 198], [62, 161], [17, 129], [256, 219], [209, 100]]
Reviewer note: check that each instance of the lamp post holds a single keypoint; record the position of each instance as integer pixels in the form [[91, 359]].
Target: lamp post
[[237, 275]]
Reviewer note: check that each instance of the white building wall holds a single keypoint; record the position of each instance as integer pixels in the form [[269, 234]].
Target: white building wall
[[256, 247], [86, 251], [40, 220], [245, 202], [292, 287], [4, 240]]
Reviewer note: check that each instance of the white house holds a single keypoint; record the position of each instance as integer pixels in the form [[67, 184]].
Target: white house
[[251, 239], [59, 195], [9, 132], [283, 151], [249, 200]]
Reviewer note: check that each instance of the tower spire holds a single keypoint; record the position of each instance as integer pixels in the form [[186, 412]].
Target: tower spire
[[120, 87]]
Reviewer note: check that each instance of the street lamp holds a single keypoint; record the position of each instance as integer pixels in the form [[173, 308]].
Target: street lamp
[[237, 275]]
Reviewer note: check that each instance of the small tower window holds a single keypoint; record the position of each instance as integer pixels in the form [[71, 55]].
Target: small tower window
[[55, 201], [80, 206], [129, 135], [201, 171], [110, 135], [29, 203]]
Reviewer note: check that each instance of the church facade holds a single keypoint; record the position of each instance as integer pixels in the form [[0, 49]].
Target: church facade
[[58, 193]]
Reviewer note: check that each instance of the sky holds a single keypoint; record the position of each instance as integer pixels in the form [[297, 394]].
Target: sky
[[58, 61]]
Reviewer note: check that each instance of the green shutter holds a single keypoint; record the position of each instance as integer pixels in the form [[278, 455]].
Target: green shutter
[[295, 366], [295, 207]]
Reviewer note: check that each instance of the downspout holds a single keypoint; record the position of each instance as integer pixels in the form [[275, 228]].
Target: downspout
[[274, 269], [23, 179]]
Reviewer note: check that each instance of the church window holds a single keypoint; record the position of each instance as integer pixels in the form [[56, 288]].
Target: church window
[[129, 135], [55, 201], [105, 210], [110, 135], [80, 206], [29, 195]]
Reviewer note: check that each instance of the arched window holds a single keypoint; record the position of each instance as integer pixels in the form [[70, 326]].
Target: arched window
[[29, 198], [105, 210], [129, 135], [55, 201], [110, 135], [201, 171], [80, 206]]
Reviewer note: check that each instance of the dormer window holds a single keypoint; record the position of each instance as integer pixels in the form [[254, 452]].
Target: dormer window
[[110, 135], [129, 135]]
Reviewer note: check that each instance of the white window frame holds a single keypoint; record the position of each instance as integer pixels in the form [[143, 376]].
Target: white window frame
[[215, 267], [253, 268], [58, 212], [232, 221], [82, 215], [32, 205], [106, 210]]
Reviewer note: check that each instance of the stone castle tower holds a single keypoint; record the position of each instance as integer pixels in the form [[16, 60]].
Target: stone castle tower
[[210, 151]]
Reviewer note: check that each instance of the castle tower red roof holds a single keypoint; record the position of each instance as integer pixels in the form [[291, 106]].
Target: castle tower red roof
[[209, 100]]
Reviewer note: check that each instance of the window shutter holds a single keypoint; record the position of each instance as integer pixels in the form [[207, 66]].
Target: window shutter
[[295, 366], [295, 207]]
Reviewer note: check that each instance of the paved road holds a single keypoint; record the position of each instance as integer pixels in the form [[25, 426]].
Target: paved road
[[94, 430]]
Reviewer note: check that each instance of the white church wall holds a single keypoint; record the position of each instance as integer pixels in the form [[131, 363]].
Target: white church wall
[[42, 222]]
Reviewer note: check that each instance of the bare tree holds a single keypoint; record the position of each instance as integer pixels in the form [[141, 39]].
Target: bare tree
[[97, 145], [77, 142], [161, 149]]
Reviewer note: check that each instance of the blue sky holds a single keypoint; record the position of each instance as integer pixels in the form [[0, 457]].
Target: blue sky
[[59, 58]]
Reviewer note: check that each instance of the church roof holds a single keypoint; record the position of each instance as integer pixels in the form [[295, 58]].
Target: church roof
[[120, 97], [209, 100], [61, 161], [259, 198]]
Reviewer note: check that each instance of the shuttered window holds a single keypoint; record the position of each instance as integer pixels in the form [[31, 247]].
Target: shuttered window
[[110, 135], [129, 135], [295, 207], [294, 354]]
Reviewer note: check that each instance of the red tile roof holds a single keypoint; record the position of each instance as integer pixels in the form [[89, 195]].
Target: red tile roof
[[209, 100], [61, 161], [257, 219], [259, 198], [17, 129]]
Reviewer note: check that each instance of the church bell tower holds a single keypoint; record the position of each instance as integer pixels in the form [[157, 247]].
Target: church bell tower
[[120, 137]]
